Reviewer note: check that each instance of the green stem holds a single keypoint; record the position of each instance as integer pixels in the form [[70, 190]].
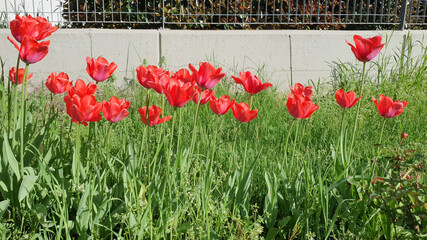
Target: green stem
[[382, 130], [179, 143], [358, 109], [15, 101], [341, 142], [193, 139], [78, 145], [107, 145], [250, 108], [23, 110], [285, 153]]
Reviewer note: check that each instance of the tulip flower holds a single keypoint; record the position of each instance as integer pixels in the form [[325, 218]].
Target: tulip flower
[[206, 96], [207, 76], [366, 49], [21, 72], [30, 50], [184, 75], [99, 69], [83, 110], [299, 89], [300, 106], [243, 113], [38, 28], [115, 109], [346, 99], [221, 105], [403, 135], [157, 84], [81, 89], [389, 108], [153, 117], [148, 74], [58, 83], [178, 93], [251, 83]]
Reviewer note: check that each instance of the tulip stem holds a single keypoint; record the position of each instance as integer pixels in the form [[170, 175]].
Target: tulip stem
[[382, 130], [250, 108], [193, 139], [341, 142], [285, 153], [77, 163], [23, 105], [107, 145], [15, 89], [358, 109], [179, 143]]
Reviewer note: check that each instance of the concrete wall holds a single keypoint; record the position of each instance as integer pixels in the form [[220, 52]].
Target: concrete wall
[[282, 55]]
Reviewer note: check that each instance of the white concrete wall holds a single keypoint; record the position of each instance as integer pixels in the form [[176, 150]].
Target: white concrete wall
[[283, 55]]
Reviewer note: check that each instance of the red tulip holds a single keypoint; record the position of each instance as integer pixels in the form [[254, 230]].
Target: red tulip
[[207, 76], [243, 113], [403, 135], [184, 75], [21, 72], [81, 89], [148, 74], [300, 106], [222, 105], [99, 69], [366, 48], [153, 115], [83, 110], [346, 99], [115, 109], [389, 108], [251, 83], [299, 89], [157, 84], [38, 28], [178, 93], [30, 50], [58, 84], [206, 96]]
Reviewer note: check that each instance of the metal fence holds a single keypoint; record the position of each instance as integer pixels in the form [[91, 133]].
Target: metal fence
[[398, 14]]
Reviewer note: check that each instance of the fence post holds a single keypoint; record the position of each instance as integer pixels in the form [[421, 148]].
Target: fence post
[[163, 14], [403, 15]]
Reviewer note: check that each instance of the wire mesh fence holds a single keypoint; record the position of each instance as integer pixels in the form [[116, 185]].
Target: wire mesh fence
[[224, 14]]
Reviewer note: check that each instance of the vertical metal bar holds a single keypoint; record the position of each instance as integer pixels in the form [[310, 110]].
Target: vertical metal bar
[[303, 11], [411, 7], [339, 13], [112, 10], [418, 12], [281, 10], [311, 12], [94, 10], [86, 11], [402, 15], [424, 11], [333, 12], [346, 11], [375, 10], [78, 12], [368, 15], [163, 14]]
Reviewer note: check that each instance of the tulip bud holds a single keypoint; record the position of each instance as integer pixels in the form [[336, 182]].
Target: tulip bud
[[404, 135]]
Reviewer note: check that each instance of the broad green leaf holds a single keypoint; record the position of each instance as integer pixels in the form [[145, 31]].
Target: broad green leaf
[[3, 206], [27, 185], [8, 155], [41, 212]]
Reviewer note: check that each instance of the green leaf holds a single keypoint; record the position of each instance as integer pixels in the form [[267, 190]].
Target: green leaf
[[41, 212], [3, 206], [272, 233], [8, 155], [27, 185]]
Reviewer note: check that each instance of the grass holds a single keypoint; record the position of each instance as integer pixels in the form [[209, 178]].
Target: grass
[[148, 184]]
